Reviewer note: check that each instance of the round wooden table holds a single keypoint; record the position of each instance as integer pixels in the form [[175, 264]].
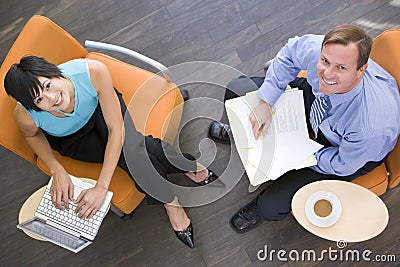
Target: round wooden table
[[364, 215], [29, 207]]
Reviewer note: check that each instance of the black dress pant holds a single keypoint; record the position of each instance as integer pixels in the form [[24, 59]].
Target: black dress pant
[[89, 144], [274, 203]]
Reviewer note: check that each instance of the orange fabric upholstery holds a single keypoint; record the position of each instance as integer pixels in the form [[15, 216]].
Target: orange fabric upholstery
[[33, 41], [302, 74], [376, 181], [155, 104], [386, 52], [159, 101]]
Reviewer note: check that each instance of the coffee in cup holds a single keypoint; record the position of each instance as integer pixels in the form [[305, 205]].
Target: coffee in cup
[[323, 208]]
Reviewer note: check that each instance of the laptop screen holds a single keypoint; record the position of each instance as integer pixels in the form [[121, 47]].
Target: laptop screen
[[54, 235]]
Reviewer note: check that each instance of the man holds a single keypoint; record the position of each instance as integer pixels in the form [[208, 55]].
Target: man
[[352, 106]]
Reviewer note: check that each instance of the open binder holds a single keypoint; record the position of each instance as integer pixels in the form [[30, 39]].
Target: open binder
[[286, 144]]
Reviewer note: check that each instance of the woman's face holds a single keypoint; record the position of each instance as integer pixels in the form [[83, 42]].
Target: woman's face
[[56, 95]]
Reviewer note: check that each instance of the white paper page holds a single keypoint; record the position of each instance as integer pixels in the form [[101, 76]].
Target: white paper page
[[258, 154], [290, 133], [285, 159], [238, 110], [310, 161], [242, 108], [256, 177], [293, 145], [289, 116], [285, 144]]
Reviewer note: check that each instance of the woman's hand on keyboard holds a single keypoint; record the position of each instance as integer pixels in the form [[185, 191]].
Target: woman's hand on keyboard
[[62, 189], [89, 201]]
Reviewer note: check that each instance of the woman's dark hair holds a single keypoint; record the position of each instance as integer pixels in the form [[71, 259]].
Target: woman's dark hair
[[22, 83]]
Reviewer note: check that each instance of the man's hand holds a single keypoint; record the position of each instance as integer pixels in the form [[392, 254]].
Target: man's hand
[[61, 189], [260, 118], [89, 201]]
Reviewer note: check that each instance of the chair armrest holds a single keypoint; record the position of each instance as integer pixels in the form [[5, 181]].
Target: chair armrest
[[163, 69]]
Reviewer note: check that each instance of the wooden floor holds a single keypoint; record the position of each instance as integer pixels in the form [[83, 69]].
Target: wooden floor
[[241, 34]]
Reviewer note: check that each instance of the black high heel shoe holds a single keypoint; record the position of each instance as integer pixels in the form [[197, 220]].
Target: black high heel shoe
[[211, 177], [186, 236]]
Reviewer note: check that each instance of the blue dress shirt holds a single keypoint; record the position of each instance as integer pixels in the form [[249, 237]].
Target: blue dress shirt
[[363, 124]]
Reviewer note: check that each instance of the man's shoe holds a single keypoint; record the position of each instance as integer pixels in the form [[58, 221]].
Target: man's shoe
[[220, 132], [246, 218]]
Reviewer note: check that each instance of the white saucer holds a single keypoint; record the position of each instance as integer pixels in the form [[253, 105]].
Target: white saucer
[[329, 220]]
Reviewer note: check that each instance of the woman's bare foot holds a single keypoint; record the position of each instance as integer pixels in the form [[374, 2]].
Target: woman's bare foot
[[201, 174], [177, 215]]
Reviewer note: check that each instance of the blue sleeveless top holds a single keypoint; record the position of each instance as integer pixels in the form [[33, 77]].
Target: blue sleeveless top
[[86, 100]]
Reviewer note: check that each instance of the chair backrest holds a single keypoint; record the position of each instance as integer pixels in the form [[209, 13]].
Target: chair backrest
[[156, 101], [386, 52], [40, 37], [153, 102]]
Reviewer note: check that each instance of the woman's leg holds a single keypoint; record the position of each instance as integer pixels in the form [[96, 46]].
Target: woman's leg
[[175, 162], [153, 149], [168, 157]]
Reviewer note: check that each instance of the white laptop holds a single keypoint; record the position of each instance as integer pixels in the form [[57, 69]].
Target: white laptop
[[64, 227]]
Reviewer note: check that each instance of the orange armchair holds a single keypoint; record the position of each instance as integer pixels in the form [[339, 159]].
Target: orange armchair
[[156, 100], [386, 52]]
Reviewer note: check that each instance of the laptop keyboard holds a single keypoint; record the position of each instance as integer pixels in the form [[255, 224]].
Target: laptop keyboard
[[68, 217]]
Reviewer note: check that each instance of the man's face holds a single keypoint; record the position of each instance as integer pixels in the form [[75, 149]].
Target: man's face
[[337, 68]]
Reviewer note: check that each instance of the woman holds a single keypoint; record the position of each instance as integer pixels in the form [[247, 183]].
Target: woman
[[72, 108]]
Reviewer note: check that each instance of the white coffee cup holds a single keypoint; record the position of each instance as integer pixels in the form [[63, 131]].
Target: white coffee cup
[[323, 208]]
